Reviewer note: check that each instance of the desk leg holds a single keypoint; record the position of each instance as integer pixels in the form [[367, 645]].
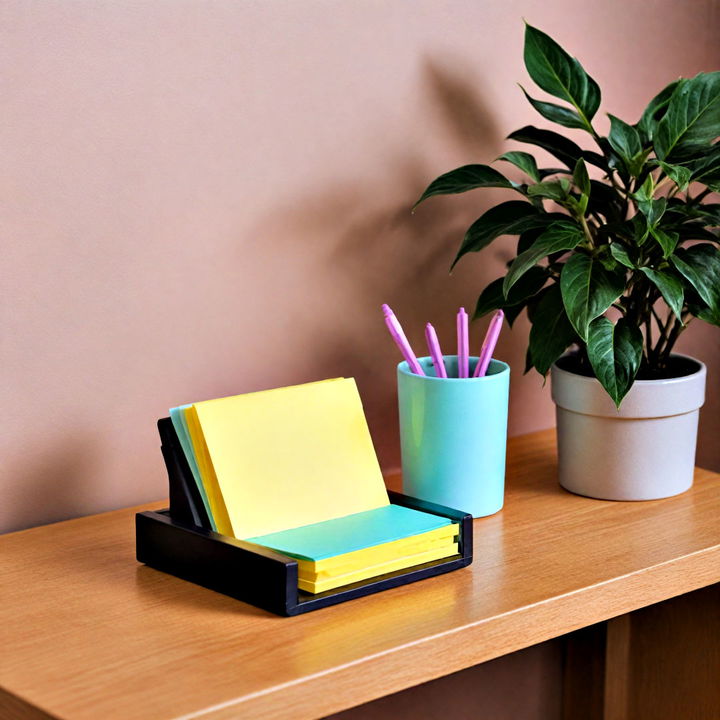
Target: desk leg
[[584, 673], [617, 668], [658, 663], [674, 665]]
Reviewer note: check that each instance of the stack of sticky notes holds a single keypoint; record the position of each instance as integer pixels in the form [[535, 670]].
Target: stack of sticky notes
[[294, 469]]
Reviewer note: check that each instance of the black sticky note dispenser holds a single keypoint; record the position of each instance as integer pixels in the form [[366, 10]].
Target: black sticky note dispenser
[[179, 541]]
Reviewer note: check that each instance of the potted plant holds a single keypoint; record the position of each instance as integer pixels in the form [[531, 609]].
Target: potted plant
[[616, 254]]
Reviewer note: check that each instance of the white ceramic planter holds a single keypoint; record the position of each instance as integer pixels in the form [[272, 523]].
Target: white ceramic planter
[[643, 451]]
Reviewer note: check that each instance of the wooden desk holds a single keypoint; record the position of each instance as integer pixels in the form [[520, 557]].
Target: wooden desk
[[89, 633]]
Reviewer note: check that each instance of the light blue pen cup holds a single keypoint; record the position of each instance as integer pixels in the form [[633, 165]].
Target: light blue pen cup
[[453, 434]]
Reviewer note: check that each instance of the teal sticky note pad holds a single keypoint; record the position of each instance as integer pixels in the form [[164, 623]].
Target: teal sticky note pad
[[358, 531], [178, 420]]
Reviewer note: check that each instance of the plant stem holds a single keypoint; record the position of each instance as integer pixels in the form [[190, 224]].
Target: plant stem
[[663, 182], [635, 300], [678, 327], [662, 340], [586, 230]]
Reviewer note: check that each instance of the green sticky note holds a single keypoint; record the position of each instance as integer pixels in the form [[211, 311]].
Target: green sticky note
[[350, 533], [181, 430]]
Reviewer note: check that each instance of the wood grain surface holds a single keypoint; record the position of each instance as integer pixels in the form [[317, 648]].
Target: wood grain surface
[[89, 633]]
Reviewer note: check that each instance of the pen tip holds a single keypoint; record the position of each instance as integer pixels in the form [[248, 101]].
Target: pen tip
[[386, 309]]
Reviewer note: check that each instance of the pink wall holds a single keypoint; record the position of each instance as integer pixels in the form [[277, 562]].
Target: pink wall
[[205, 198]]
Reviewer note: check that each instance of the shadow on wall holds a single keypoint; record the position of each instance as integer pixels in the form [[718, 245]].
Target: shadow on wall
[[361, 247], [364, 247], [464, 114]]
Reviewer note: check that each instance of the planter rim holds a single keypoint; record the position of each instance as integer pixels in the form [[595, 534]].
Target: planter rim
[[646, 399], [665, 381]]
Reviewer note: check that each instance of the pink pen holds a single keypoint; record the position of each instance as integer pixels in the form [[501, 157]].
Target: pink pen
[[463, 343], [435, 351], [488, 346], [401, 341]]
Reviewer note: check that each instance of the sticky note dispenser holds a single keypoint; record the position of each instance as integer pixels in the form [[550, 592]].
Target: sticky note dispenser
[[178, 541]]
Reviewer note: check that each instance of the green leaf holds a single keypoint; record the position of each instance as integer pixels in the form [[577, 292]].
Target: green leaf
[[700, 266], [527, 238], [534, 302], [700, 310], [608, 261], [525, 161], [678, 174], [566, 151], [645, 192], [492, 297], [556, 113], [557, 73], [708, 214], [546, 172], [615, 353], [462, 179], [620, 253], [692, 119], [578, 205], [669, 286], [595, 159], [588, 290], [604, 200], [528, 362], [512, 312], [551, 333], [707, 168], [708, 315], [617, 231], [640, 229], [698, 307], [655, 110], [655, 210], [625, 141], [562, 235], [667, 240], [626, 145], [551, 189], [696, 231], [508, 218], [581, 177]]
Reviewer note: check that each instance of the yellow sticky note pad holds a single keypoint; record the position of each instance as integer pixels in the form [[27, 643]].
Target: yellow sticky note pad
[[360, 559], [286, 457], [207, 476], [322, 584]]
